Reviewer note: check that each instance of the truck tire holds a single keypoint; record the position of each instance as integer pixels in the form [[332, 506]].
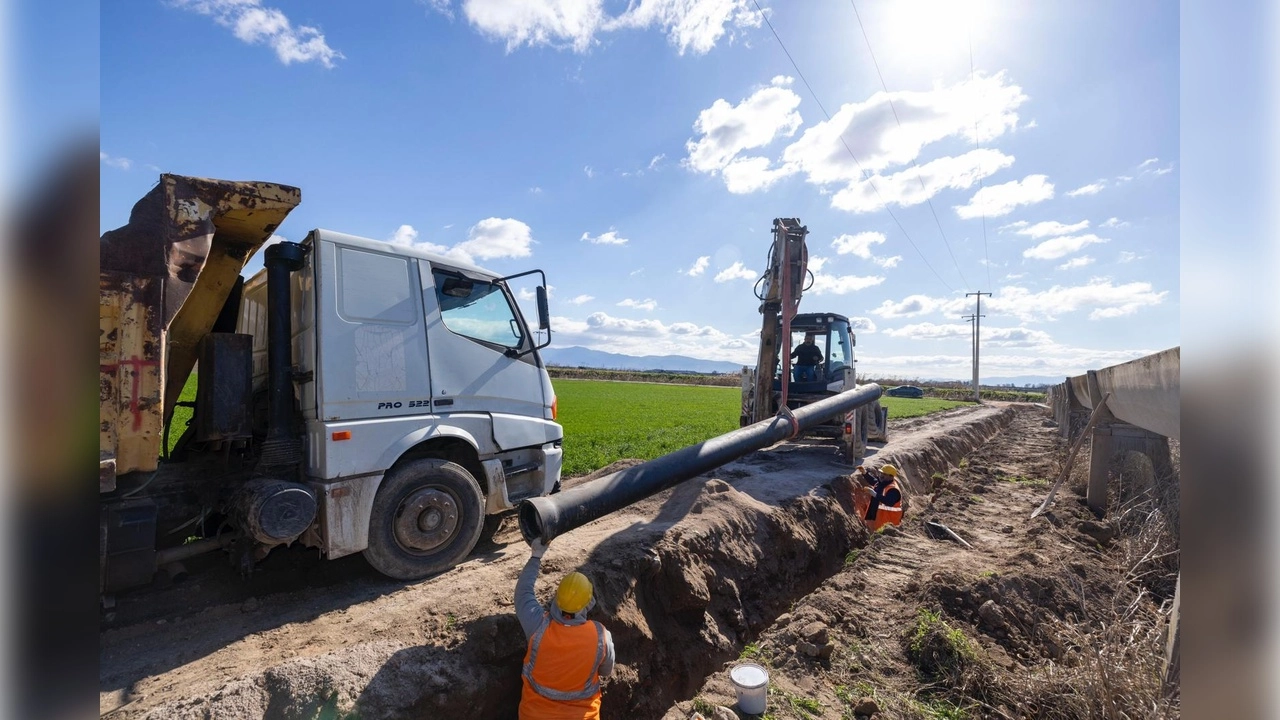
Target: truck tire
[[427, 517]]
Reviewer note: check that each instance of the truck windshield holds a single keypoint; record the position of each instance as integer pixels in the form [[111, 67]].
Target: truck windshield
[[477, 309]]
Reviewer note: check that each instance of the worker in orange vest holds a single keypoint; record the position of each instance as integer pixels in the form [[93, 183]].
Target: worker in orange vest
[[880, 501], [568, 654]]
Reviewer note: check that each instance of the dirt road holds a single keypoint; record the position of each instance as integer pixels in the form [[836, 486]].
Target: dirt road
[[684, 580]]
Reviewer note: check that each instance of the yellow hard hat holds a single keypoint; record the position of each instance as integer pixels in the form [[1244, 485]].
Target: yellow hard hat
[[574, 593], [889, 470]]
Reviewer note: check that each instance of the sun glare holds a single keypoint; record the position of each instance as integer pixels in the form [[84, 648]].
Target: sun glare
[[930, 33]]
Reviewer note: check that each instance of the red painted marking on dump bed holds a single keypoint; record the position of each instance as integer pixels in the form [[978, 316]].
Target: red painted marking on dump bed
[[135, 364]]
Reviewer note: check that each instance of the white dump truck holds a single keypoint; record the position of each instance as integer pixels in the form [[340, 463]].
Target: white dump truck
[[352, 396]]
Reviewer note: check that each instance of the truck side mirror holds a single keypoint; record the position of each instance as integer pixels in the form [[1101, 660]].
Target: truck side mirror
[[544, 313]]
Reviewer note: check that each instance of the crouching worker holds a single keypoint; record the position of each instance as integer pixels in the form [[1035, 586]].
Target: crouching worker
[[568, 654], [878, 500]]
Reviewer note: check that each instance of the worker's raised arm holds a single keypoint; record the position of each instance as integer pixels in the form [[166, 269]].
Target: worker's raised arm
[[528, 610], [606, 665]]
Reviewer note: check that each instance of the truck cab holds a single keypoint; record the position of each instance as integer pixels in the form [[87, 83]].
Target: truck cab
[[425, 402], [353, 396]]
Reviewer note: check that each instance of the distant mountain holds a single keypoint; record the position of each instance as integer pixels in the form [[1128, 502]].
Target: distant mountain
[[584, 357]]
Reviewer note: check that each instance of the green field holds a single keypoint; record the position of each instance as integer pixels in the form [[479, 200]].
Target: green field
[[900, 408], [607, 421]]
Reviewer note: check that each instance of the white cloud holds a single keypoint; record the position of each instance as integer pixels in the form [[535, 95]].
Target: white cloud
[[915, 305], [588, 171], [498, 238], [1092, 188], [1115, 223], [120, 163], [1126, 256], [695, 25], [257, 25], [601, 331], [1048, 228], [997, 200], [858, 245], [978, 109], [1164, 170], [904, 188], [862, 324], [725, 130], [1077, 262], [699, 266], [735, 271], [608, 238], [842, 284], [1014, 276], [528, 294], [1030, 124], [657, 159], [1051, 360], [404, 235], [581, 299], [535, 190], [1105, 300], [1148, 161], [816, 263], [997, 336], [1055, 248], [648, 304], [690, 25], [750, 174]]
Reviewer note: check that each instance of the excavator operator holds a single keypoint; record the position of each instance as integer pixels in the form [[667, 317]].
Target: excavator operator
[[807, 356]]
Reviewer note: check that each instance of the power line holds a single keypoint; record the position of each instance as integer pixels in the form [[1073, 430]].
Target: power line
[[894, 110], [865, 174], [981, 185]]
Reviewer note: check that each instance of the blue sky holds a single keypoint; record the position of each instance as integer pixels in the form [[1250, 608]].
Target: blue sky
[[638, 154]]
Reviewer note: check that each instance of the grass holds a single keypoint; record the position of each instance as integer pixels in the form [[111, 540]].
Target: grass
[[936, 709], [703, 707], [607, 421], [753, 651], [851, 557], [958, 645], [900, 408], [1029, 482], [182, 415]]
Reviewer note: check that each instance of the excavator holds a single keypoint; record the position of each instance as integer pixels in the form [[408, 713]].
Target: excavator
[[773, 385]]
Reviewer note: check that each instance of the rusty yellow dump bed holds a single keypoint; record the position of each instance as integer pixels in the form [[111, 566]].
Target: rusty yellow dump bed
[[164, 278]]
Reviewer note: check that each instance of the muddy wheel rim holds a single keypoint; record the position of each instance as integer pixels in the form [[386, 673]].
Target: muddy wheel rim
[[427, 519]]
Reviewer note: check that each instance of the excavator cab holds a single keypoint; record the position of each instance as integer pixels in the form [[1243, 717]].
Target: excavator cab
[[834, 340]]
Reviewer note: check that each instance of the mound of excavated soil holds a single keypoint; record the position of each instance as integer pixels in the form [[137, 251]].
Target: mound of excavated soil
[[684, 580]]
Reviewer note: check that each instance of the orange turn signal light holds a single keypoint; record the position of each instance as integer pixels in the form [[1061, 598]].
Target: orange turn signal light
[[555, 407], [341, 435]]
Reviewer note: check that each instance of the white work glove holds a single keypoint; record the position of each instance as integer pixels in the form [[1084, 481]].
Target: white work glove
[[538, 548]]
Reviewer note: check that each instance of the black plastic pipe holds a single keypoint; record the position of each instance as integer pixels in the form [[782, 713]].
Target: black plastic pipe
[[281, 446], [553, 515]]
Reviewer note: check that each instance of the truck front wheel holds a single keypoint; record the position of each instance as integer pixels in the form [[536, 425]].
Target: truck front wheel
[[427, 517]]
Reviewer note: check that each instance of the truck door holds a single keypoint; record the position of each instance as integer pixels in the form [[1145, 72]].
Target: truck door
[[474, 333], [373, 351]]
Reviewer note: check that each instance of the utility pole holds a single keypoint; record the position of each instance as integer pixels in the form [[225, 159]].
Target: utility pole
[[977, 334]]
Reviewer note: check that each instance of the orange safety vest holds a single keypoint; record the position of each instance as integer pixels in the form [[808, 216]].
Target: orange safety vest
[[887, 514], [561, 672]]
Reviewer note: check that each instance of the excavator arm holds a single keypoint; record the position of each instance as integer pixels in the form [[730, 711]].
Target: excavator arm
[[779, 291]]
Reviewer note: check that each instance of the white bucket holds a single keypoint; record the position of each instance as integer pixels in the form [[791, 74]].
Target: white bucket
[[751, 681]]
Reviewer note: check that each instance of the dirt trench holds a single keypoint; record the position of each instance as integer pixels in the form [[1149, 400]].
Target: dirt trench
[[1033, 619], [684, 580]]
